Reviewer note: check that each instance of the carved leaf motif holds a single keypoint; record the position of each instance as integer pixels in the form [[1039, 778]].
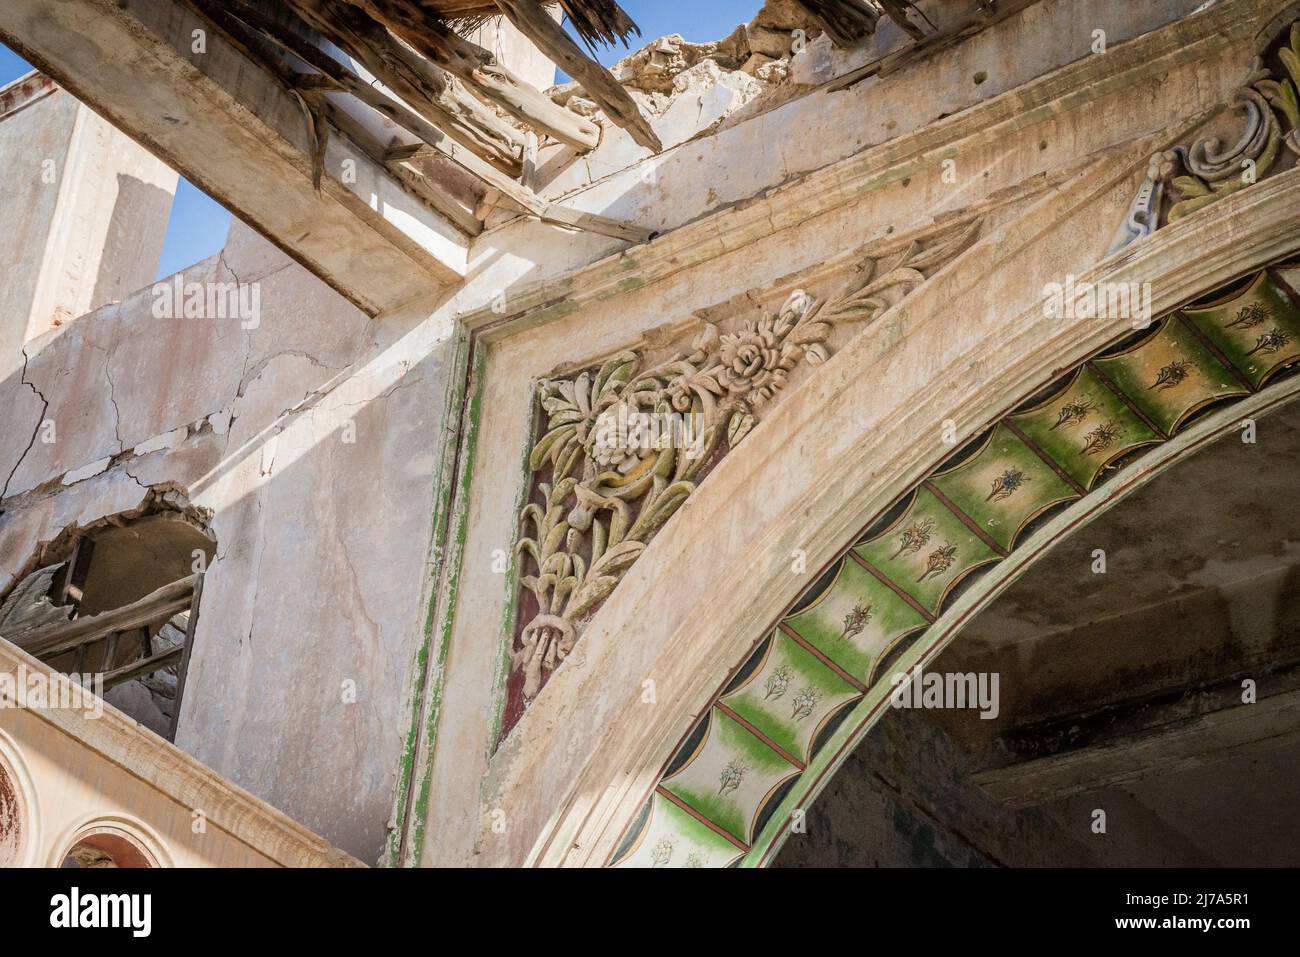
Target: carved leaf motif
[[1283, 97], [895, 277], [615, 371], [618, 558], [1291, 55], [591, 594], [1191, 186], [740, 426], [812, 332], [569, 457], [549, 446], [608, 500], [1265, 101], [946, 248]]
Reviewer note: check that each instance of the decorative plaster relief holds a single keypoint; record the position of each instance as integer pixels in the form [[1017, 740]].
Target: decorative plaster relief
[[625, 445], [1205, 171]]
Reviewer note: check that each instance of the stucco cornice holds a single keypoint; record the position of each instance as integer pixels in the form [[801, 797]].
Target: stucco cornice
[[1142, 60], [165, 768]]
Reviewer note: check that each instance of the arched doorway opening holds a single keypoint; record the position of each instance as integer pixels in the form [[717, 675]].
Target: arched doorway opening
[[108, 844]]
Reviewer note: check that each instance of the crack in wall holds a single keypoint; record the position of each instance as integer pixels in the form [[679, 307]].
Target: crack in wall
[[40, 420], [112, 391], [248, 375], [112, 397]]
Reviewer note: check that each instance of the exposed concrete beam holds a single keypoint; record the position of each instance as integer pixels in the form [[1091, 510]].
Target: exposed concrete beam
[[225, 124], [1143, 738]]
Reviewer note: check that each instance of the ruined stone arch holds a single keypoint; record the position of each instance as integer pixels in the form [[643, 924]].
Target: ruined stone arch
[[1000, 365], [838, 734]]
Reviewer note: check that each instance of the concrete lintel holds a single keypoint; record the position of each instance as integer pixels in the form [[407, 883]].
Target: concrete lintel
[[229, 127]]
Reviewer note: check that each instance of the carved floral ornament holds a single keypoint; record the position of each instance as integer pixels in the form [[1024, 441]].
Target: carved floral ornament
[[625, 445], [1206, 171], [1265, 101]]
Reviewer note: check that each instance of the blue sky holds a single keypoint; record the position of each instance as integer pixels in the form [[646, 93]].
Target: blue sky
[[696, 20], [198, 224]]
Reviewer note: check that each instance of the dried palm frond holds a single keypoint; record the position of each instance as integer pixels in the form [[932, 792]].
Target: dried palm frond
[[599, 21], [596, 21]]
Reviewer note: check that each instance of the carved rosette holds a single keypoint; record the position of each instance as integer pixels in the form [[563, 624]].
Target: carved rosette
[[601, 493]]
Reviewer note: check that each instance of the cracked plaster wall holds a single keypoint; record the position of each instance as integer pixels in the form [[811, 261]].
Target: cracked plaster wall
[[311, 439], [323, 543]]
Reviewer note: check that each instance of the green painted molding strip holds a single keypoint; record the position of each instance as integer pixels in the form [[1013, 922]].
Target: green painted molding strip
[[750, 764], [452, 568], [427, 671], [510, 610]]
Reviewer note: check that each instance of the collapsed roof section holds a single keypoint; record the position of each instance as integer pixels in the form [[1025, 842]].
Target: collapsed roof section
[[457, 98], [391, 134]]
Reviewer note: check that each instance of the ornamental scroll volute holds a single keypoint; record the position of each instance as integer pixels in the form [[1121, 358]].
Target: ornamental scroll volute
[[1270, 105], [1262, 137], [624, 444]]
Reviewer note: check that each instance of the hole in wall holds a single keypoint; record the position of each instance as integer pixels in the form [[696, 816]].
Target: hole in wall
[[118, 561]]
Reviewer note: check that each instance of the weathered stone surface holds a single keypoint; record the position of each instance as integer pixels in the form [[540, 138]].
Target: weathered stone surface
[[770, 43], [993, 169], [782, 15], [316, 438], [655, 67], [278, 430], [90, 210]]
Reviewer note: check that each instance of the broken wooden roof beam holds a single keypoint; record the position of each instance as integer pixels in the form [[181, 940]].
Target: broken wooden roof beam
[[428, 189], [423, 86], [844, 21], [255, 32], [515, 195], [848, 21], [397, 159], [483, 75], [159, 605], [899, 10], [529, 17], [143, 666]]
